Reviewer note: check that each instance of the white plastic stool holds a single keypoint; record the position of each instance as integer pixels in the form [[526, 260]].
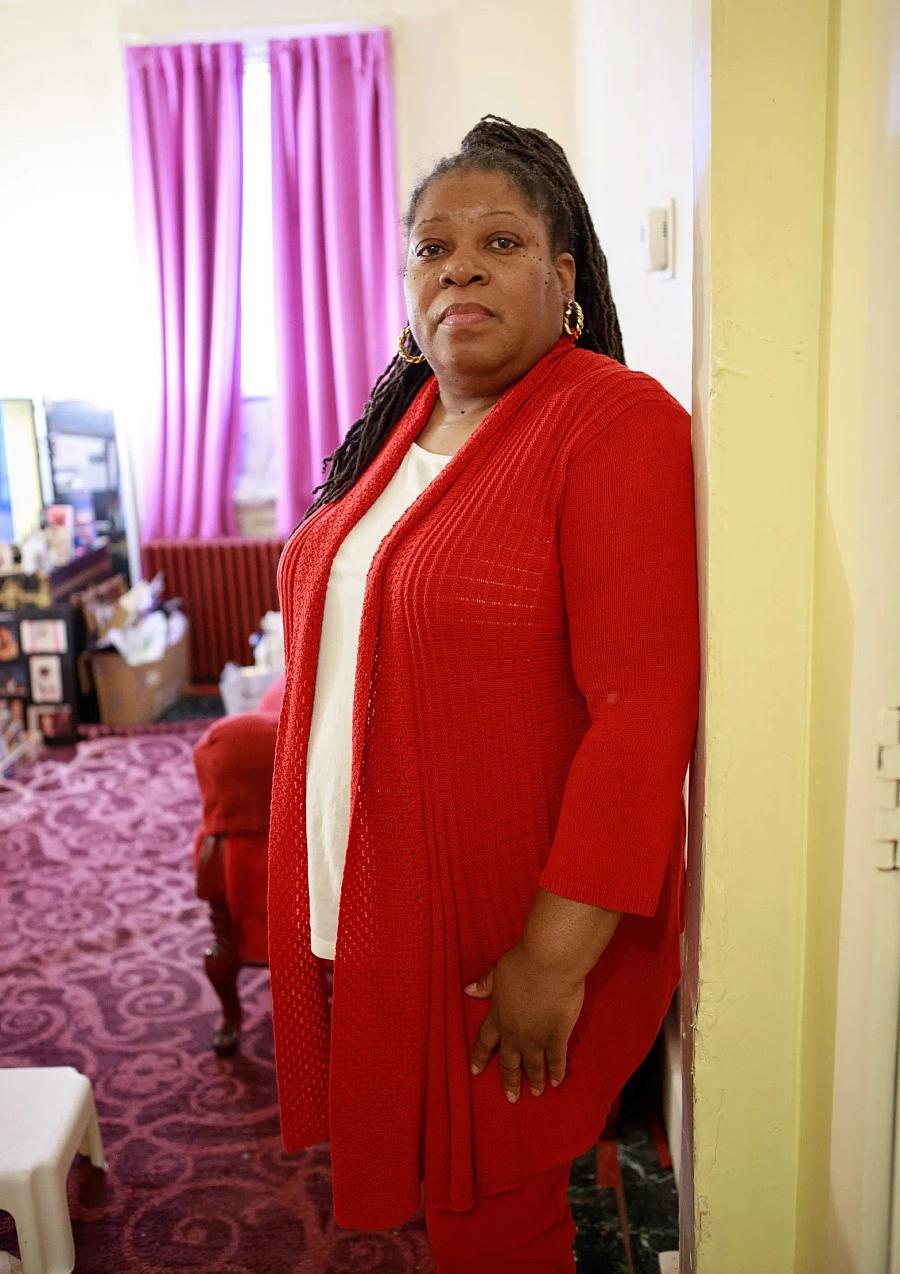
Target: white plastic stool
[[46, 1115]]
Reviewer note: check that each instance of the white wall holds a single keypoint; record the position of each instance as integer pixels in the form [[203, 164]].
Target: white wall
[[64, 198], [633, 150], [65, 184], [633, 140]]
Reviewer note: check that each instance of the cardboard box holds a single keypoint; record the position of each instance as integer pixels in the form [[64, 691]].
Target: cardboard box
[[135, 695]]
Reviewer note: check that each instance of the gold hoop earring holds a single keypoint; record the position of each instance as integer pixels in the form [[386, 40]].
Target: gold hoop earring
[[402, 350], [573, 319]]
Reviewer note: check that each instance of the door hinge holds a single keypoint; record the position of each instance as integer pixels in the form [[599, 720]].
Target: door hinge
[[887, 813]]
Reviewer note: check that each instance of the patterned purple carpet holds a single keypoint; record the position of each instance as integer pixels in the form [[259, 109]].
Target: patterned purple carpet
[[101, 968]]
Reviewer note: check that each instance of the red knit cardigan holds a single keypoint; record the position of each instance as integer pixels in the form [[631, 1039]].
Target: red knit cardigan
[[526, 699]]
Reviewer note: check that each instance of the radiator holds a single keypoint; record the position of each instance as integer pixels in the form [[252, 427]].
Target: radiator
[[226, 585]]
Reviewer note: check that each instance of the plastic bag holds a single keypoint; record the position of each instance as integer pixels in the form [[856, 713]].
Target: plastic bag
[[242, 688]]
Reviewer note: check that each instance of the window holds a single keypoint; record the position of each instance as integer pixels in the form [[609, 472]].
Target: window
[[257, 287], [256, 485]]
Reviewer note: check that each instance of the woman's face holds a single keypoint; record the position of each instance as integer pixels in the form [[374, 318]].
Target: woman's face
[[484, 292]]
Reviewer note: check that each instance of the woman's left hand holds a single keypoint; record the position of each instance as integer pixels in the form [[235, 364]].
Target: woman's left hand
[[533, 1012]]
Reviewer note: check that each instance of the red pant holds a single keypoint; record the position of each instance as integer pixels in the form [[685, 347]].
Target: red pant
[[527, 1230]]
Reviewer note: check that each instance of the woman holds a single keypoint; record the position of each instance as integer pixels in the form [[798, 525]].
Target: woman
[[492, 652]]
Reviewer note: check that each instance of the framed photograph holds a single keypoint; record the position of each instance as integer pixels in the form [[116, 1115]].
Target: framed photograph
[[56, 723], [46, 678], [20, 502], [14, 680], [83, 453], [44, 636], [10, 647]]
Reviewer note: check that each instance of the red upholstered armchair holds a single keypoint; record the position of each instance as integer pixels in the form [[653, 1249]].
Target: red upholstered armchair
[[234, 761]]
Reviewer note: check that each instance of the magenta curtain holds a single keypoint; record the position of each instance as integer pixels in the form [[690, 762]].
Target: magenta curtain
[[338, 290], [186, 125]]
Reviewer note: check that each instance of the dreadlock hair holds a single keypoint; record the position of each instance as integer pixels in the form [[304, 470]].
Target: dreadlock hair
[[538, 166]]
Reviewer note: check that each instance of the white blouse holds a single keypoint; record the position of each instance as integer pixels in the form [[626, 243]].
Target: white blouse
[[329, 750]]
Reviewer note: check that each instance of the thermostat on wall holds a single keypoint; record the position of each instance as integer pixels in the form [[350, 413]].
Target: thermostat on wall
[[657, 236]]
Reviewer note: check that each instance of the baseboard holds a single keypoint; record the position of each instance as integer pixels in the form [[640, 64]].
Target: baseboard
[[671, 1085]]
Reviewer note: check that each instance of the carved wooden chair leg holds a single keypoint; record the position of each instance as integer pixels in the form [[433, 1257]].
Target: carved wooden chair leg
[[222, 966], [609, 1176], [221, 959]]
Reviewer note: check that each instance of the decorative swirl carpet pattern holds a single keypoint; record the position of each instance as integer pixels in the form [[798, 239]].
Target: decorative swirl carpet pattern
[[101, 968]]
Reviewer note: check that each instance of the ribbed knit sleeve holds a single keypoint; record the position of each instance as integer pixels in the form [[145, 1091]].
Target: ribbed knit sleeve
[[628, 559]]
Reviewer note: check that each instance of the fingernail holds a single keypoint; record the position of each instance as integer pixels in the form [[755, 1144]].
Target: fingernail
[[511, 1096], [537, 1091], [476, 1070], [470, 987], [555, 1083]]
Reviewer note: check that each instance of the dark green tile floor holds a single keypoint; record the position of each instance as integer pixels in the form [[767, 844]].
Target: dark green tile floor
[[194, 708], [651, 1198]]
